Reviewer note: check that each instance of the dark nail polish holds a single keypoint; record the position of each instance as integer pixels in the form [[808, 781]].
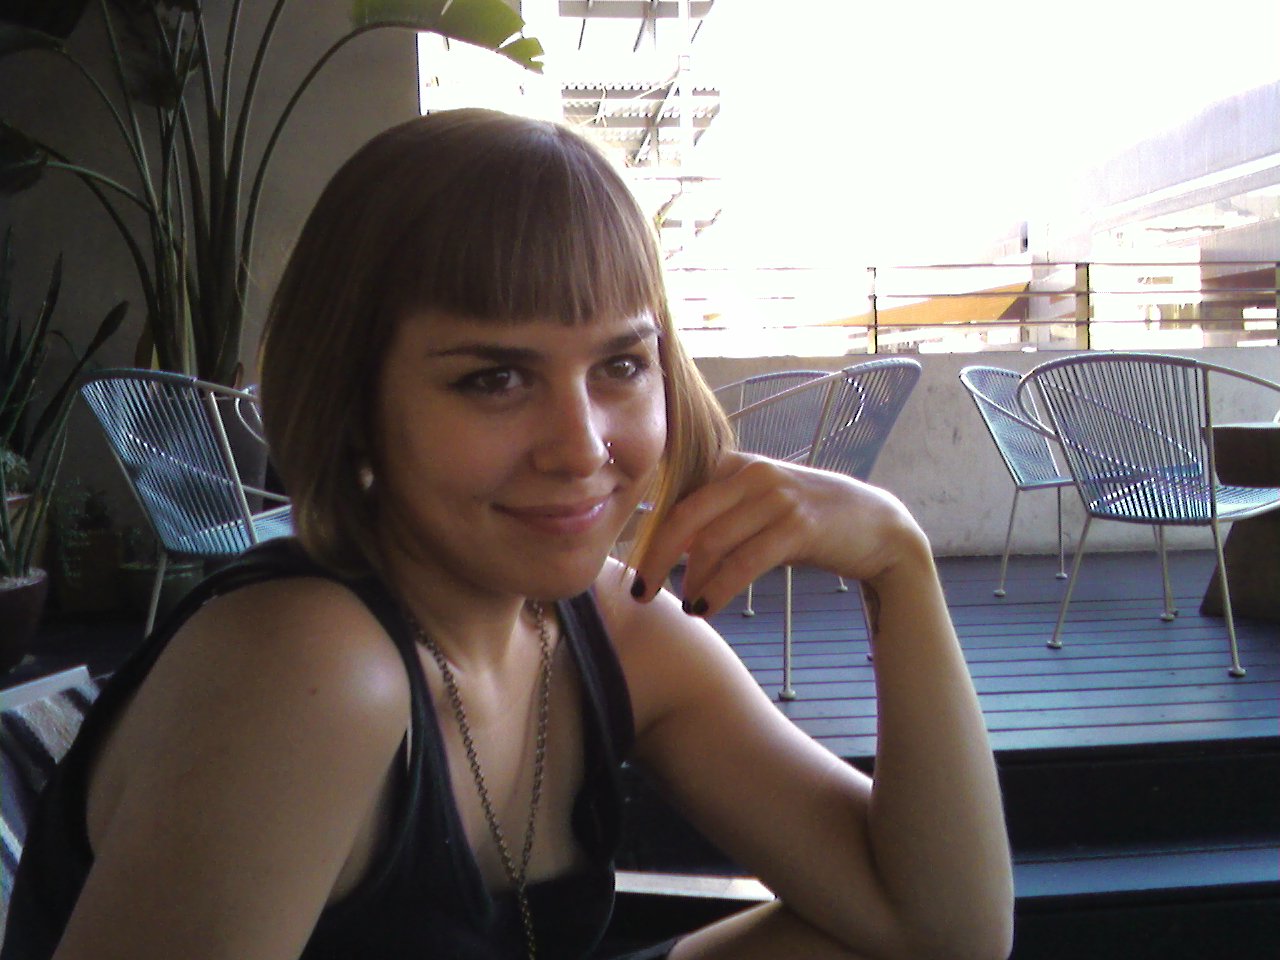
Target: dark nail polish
[[697, 608], [637, 587]]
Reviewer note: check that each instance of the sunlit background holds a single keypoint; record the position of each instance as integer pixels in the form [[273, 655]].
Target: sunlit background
[[849, 135]]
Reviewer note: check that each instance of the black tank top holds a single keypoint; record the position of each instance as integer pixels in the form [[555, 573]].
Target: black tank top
[[424, 896]]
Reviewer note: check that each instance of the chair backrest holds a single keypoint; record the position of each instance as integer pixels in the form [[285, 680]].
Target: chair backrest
[[865, 402], [1026, 452], [743, 393], [168, 434], [781, 417], [38, 721], [1134, 430]]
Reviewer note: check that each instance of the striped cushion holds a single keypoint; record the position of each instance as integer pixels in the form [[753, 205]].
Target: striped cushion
[[33, 738]]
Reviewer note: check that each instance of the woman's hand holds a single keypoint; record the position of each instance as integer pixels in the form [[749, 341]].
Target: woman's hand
[[915, 864], [757, 514]]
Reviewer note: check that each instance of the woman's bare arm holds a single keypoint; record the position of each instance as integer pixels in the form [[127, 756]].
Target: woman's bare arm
[[227, 799], [916, 863]]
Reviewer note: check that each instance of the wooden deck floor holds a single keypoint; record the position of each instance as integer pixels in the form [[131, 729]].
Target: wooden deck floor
[[1123, 678]]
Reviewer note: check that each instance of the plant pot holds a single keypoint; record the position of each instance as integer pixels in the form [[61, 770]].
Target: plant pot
[[17, 505], [136, 579], [22, 601], [86, 574]]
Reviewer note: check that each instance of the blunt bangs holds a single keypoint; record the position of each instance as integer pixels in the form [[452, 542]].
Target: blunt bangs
[[486, 216], [540, 227]]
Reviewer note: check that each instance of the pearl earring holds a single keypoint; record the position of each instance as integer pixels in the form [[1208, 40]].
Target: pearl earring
[[364, 476]]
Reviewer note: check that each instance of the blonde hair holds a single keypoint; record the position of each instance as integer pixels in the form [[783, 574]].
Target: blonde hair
[[482, 215]]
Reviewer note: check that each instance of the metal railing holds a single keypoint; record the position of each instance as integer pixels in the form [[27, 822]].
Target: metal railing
[[968, 307]]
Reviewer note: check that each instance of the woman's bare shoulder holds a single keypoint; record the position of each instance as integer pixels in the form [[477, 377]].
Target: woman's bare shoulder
[[288, 636], [267, 667], [234, 789]]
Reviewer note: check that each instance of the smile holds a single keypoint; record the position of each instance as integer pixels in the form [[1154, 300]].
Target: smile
[[560, 518]]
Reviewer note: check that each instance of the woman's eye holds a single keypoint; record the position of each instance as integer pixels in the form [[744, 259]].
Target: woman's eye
[[624, 368], [491, 382]]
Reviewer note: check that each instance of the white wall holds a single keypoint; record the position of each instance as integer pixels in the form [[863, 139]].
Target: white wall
[[941, 461]]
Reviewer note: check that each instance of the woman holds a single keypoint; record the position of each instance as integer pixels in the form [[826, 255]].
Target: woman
[[400, 735]]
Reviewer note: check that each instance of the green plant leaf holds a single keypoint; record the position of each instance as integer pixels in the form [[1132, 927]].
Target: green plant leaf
[[486, 23], [106, 329], [22, 160], [366, 13], [524, 51], [158, 51], [16, 39]]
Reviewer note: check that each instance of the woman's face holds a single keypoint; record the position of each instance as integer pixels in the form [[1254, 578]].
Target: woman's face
[[493, 445]]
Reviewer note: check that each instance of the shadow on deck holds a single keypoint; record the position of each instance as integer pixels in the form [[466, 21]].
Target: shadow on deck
[[1141, 782]]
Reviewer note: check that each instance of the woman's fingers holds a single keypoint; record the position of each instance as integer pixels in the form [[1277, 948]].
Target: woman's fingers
[[756, 514], [738, 526], [737, 546], [710, 584]]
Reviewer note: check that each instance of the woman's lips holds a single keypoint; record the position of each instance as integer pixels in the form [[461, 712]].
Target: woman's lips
[[560, 518]]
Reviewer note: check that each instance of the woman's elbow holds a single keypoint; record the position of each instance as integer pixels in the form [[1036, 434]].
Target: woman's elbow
[[987, 936]]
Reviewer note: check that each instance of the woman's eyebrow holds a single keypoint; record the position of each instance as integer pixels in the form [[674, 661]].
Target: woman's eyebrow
[[502, 354], [640, 331], [495, 353]]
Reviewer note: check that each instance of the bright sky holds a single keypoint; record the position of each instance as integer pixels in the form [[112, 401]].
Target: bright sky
[[880, 114], [847, 124]]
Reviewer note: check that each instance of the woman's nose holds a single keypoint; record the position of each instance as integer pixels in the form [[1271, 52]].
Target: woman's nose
[[573, 437]]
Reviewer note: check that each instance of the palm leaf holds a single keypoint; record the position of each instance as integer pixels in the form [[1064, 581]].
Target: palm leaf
[[22, 160], [486, 23], [15, 38]]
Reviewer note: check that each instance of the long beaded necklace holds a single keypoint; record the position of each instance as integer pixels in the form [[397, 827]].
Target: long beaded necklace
[[518, 876]]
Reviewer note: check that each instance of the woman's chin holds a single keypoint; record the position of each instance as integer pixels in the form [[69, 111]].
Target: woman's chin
[[559, 581]]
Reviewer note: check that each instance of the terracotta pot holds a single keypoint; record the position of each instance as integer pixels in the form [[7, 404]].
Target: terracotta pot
[[22, 602]]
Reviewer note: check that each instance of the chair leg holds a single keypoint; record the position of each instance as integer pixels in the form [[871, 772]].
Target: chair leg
[[1008, 539], [787, 692], [1235, 670], [866, 619], [1170, 612], [747, 611], [1055, 642], [1062, 543], [162, 560]]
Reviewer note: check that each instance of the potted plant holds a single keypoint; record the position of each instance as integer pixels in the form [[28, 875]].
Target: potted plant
[[195, 180], [32, 440], [137, 575], [85, 551]]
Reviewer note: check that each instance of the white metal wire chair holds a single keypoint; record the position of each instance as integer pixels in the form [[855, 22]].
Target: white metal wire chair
[[733, 397], [838, 421], [1027, 453], [1136, 431], [169, 434], [783, 428]]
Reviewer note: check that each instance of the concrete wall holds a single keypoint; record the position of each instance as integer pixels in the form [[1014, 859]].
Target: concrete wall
[[941, 461]]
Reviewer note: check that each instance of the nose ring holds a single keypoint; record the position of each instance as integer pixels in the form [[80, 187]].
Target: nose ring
[[608, 448]]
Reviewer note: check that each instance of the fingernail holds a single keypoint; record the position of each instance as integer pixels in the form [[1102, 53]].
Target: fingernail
[[637, 587], [697, 608]]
